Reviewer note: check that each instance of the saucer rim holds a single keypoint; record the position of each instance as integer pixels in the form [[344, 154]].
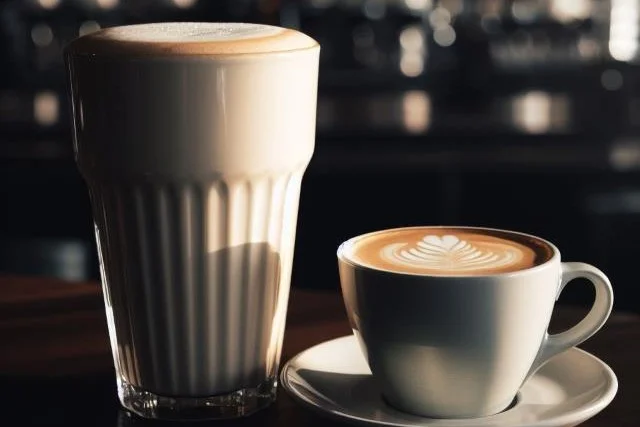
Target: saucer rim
[[577, 416]]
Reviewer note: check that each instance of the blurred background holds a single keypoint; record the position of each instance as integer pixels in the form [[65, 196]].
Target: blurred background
[[516, 114]]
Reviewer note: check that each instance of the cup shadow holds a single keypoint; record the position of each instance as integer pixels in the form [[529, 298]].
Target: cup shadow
[[361, 394], [354, 393]]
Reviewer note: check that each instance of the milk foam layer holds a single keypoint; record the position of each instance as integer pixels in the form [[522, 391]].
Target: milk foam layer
[[192, 38], [449, 251]]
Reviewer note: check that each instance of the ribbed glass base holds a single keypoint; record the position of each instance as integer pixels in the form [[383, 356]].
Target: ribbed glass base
[[239, 403]]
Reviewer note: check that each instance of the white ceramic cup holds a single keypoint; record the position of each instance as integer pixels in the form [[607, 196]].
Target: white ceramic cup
[[193, 139], [461, 347]]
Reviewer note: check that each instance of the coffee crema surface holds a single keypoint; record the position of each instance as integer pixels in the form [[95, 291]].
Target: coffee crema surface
[[447, 251], [192, 38]]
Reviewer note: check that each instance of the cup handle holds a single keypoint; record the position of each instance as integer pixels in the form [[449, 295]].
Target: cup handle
[[589, 325]]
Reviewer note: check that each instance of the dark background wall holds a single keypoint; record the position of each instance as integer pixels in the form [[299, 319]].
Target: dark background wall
[[511, 114]]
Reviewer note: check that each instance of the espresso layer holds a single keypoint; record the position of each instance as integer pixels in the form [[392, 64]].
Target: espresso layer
[[450, 251], [191, 38]]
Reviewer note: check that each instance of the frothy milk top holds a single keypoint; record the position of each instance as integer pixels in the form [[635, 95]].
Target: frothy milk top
[[191, 38], [449, 251]]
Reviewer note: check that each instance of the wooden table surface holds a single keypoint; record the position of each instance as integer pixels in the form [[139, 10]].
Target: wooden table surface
[[56, 366]]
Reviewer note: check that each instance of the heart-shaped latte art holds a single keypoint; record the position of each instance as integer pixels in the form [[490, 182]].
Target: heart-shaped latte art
[[450, 253]]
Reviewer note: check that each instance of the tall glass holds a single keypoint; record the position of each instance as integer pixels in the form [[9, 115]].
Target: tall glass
[[193, 139]]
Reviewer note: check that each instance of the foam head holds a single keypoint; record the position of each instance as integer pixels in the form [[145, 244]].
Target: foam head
[[450, 251], [191, 38]]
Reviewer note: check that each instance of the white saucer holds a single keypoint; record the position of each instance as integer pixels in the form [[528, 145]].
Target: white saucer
[[334, 378]]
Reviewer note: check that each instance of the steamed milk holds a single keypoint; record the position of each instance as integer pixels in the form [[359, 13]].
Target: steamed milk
[[449, 251], [193, 142]]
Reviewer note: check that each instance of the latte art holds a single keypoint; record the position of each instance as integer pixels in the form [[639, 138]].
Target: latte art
[[447, 251], [450, 253]]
